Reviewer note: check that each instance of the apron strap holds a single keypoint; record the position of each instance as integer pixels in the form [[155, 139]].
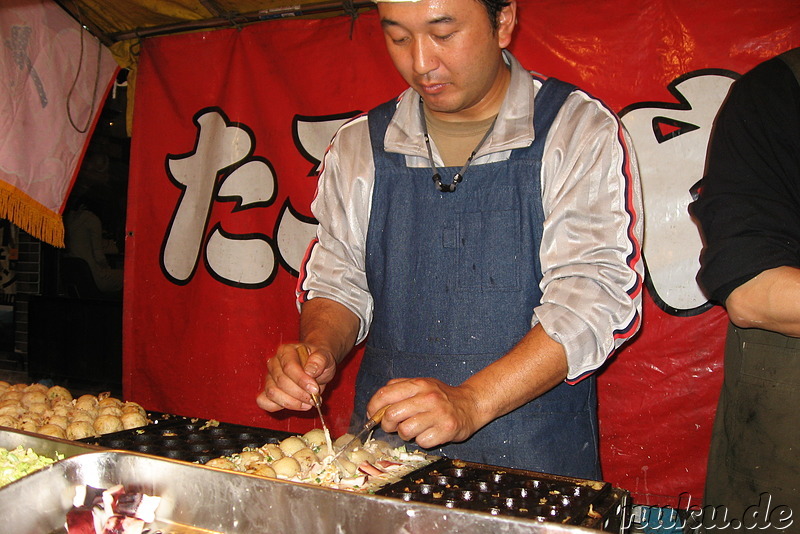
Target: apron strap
[[378, 121], [556, 92]]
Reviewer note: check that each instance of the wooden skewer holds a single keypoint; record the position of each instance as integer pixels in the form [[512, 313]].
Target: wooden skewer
[[302, 350], [379, 414]]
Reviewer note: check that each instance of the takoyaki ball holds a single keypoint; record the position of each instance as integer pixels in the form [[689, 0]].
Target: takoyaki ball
[[56, 393], [18, 387], [8, 421], [38, 408], [33, 397], [29, 424], [4, 386], [52, 430], [379, 446], [248, 458], [291, 445], [343, 440], [323, 451], [264, 470], [109, 410], [314, 438], [40, 388], [286, 467], [106, 424], [80, 430], [109, 401], [306, 458], [78, 416], [61, 409], [272, 452], [359, 455], [12, 394], [13, 409], [87, 403], [9, 402], [132, 420], [222, 463], [346, 465], [58, 420], [33, 417], [132, 407]]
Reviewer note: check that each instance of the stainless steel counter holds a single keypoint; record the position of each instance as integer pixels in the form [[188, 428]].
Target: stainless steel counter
[[197, 498]]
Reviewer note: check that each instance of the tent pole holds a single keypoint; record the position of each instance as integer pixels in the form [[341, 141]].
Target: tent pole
[[243, 18]]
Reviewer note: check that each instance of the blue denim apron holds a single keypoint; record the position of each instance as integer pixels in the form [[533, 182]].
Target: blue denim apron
[[455, 278]]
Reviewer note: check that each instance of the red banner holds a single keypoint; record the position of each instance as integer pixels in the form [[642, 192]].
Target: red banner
[[228, 130]]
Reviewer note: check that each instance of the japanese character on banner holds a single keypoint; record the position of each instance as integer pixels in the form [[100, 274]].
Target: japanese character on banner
[[224, 148]]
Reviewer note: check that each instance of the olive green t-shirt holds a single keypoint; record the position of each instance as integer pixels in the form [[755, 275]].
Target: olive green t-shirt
[[456, 140]]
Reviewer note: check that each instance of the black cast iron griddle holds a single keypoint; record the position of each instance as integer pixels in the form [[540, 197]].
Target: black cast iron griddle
[[509, 492], [188, 439], [445, 482]]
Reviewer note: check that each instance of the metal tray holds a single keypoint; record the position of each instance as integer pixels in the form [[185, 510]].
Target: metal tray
[[450, 483], [43, 445], [199, 499]]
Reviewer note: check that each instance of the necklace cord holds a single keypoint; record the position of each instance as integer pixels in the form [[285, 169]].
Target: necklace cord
[[457, 177]]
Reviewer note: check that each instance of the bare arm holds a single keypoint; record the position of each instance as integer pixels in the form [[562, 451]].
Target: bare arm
[[770, 301], [434, 413], [328, 329], [326, 325]]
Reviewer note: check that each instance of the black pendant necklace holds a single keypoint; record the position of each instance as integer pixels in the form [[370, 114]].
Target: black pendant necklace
[[437, 178]]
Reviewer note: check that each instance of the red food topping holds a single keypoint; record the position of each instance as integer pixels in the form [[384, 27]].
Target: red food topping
[[117, 512], [118, 524], [369, 469], [80, 521]]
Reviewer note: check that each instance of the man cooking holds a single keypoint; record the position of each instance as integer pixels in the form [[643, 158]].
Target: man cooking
[[484, 229]]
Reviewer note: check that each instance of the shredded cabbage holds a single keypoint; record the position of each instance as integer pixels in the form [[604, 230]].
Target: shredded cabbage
[[17, 463]]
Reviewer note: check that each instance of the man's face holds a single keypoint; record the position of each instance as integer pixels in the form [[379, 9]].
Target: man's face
[[449, 53]]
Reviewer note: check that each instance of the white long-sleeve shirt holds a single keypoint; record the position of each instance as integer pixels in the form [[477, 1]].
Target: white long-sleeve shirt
[[590, 251]]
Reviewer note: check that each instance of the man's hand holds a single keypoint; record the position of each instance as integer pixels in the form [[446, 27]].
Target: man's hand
[[328, 330], [290, 382], [433, 413], [427, 410]]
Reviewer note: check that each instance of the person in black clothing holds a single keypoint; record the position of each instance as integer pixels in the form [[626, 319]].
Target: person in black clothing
[[749, 212]]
